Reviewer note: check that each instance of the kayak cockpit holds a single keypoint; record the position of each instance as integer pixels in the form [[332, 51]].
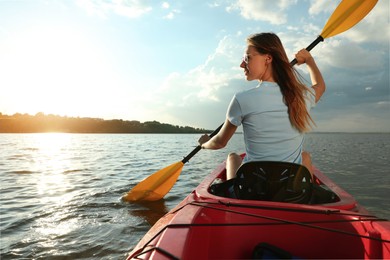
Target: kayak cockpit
[[319, 191], [274, 181]]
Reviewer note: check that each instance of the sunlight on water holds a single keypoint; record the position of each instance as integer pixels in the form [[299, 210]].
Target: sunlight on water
[[51, 147], [53, 186], [52, 142], [54, 226], [50, 161]]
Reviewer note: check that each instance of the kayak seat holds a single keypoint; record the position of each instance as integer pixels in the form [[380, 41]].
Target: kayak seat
[[268, 251], [322, 195], [223, 189], [273, 181]]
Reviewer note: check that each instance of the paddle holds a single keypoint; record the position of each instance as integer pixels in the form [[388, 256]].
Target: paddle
[[347, 14], [160, 183]]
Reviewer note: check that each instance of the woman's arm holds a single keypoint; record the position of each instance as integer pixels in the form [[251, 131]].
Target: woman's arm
[[219, 140], [318, 83]]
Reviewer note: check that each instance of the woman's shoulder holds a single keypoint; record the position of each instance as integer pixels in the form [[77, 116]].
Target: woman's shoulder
[[250, 90], [265, 87], [246, 93]]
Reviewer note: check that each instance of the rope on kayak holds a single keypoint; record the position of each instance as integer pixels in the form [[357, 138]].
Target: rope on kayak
[[304, 224], [315, 211], [159, 249]]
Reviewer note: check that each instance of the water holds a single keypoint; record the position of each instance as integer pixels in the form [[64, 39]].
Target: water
[[60, 193]]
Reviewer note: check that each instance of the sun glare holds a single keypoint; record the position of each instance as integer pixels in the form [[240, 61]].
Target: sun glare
[[53, 70]]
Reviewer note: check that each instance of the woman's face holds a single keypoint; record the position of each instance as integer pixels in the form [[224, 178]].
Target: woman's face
[[255, 65]]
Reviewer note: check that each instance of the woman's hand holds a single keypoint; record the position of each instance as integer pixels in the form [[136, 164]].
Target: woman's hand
[[203, 139], [303, 56], [219, 140]]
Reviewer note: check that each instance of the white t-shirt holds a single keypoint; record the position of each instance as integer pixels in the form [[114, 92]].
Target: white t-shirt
[[268, 133]]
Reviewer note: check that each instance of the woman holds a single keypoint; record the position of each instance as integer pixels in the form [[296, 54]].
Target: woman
[[275, 114]]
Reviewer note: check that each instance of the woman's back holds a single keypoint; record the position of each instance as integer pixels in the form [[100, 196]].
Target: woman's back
[[268, 133]]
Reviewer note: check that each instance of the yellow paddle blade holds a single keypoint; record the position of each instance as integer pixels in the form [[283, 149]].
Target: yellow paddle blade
[[347, 14], [156, 185]]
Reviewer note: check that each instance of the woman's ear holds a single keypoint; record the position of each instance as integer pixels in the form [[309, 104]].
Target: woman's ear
[[268, 59]]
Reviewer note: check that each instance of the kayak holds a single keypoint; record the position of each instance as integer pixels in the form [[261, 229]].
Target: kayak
[[211, 223]]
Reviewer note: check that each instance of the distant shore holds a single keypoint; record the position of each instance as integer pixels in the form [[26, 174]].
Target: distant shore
[[41, 123]]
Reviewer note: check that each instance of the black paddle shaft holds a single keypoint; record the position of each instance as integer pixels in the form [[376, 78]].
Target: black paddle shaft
[[198, 148], [311, 46]]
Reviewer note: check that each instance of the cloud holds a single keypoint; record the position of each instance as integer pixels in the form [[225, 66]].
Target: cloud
[[129, 8], [171, 15], [320, 6], [165, 5], [205, 80], [263, 10], [352, 56], [203, 93], [358, 118], [172, 12]]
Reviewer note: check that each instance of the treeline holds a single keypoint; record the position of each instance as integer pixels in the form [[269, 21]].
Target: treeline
[[41, 123]]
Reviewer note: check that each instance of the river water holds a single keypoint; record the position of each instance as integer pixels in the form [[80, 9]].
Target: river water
[[61, 193]]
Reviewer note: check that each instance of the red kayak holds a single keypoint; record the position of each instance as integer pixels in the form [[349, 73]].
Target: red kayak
[[309, 217]]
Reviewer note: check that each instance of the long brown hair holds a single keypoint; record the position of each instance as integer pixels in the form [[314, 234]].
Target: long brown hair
[[287, 77]]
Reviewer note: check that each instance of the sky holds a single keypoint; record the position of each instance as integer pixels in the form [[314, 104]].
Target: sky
[[178, 62]]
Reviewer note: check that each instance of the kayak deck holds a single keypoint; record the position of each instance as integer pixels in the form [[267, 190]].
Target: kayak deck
[[205, 226]]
